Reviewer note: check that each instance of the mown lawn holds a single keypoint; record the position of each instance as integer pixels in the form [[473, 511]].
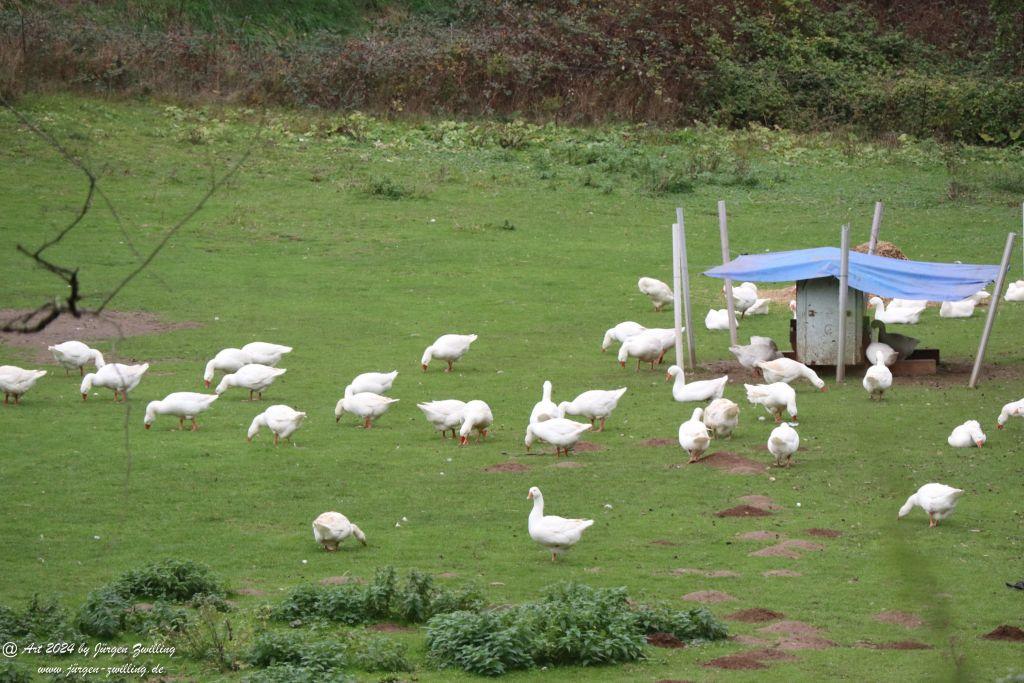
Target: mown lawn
[[359, 249]]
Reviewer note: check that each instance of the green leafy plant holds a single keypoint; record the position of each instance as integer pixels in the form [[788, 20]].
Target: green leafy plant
[[41, 621]]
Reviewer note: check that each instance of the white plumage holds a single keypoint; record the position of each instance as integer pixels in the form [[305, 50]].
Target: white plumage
[[444, 415], [374, 382], [877, 379], [281, 420], [938, 500], [449, 348], [644, 347], [693, 435], [265, 353], [1015, 409], [657, 291], [774, 397], [557, 534], [365, 405], [721, 417], [880, 350], [184, 405], [255, 377], [788, 370], [963, 308], [116, 376], [967, 435], [545, 408], [1014, 291], [783, 442], [226, 360], [717, 319], [621, 333], [559, 432], [476, 416], [16, 382], [760, 349], [596, 404], [701, 390], [891, 315], [75, 354], [331, 528]]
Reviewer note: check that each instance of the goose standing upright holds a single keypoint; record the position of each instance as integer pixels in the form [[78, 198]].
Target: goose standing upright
[[184, 405], [545, 408], [963, 308], [449, 348], [559, 432], [75, 354], [701, 390], [264, 353], [331, 528], [1015, 409], [774, 397], [744, 297], [905, 316], [374, 382], [227, 361], [783, 442], [557, 534], [657, 291], [16, 382], [365, 405], [967, 435], [444, 415], [693, 435], [721, 417], [596, 404], [117, 376], [255, 377], [938, 500], [877, 379], [788, 370], [281, 420], [620, 333], [475, 416]]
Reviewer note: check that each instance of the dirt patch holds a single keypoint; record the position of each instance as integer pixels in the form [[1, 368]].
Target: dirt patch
[[708, 597], [1005, 632], [743, 639], [733, 463], [447, 575], [763, 502], [250, 591], [340, 580], [956, 374], [825, 533], [805, 643], [587, 447], [659, 443], [682, 571], [743, 511], [88, 328], [777, 550], [883, 248], [568, 464], [894, 645], [759, 536], [803, 545], [721, 574], [389, 627], [781, 572], [753, 659], [904, 619], [662, 541], [792, 628], [507, 467], [664, 640], [755, 615]]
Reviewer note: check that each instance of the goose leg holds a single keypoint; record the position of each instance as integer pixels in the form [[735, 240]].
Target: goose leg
[[553, 555], [260, 394], [449, 367], [367, 424], [5, 398], [195, 427], [661, 358], [276, 439], [250, 394], [592, 423], [17, 399], [602, 425], [931, 521], [181, 424], [81, 371]]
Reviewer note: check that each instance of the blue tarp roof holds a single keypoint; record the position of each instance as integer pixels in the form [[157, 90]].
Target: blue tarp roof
[[876, 274]]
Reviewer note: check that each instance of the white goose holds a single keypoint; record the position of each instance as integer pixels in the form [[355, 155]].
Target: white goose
[[444, 415], [718, 319], [701, 390], [449, 348], [185, 405], [16, 382], [475, 416], [774, 397], [374, 382], [881, 351], [901, 343], [1014, 291], [253, 376], [620, 333], [693, 435], [557, 534], [877, 379], [905, 316], [117, 376], [264, 353], [226, 360], [644, 347], [657, 291], [281, 420], [967, 435], [1015, 409], [545, 408], [596, 404], [759, 349], [788, 370], [792, 307], [721, 417], [365, 405], [919, 304], [938, 500], [783, 443], [963, 308], [559, 432], [760, 307], [331, 528], [665, 336], [75, 354], [744, 296]]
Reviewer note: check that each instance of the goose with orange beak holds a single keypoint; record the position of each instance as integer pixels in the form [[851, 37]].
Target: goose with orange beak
[[1015, 409], [644, 347], [559, 432], [281, 420], [476, 416], [184, 405], [227, 361], [117, 376], [557, 534], [788, 370], [967, 435], [449, 348]]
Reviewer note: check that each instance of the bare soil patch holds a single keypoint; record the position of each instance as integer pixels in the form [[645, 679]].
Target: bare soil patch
[[802, 544], [568, 464], [507, 467], [759, 536], [744, 639], [743, 511], [662, 541], [894, 645], [1005, 632], [783, 294], [664, 640], [758, 501], [805, 643], [825, 533], [791, 628], [781, 572], [708, 597], [658, 443], [250, 591], [753, 659], [340, 580], [587, 447], [733, 463], [390, 627], [755, 615], [447, 575], [777, 550], [721, 574], [905, 619]]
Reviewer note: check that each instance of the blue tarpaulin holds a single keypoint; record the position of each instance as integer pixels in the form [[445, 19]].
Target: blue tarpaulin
[[875, 274]]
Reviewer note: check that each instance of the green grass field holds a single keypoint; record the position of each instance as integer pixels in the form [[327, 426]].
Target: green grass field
[[359, 249]]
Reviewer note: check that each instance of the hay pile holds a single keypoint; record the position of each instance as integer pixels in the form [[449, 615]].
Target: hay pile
[[886, 249]]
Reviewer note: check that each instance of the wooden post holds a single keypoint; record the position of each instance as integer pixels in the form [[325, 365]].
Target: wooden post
[[691, 344], [844, 275], [677, 303], [723, 231], [993, 304], [876, 225]]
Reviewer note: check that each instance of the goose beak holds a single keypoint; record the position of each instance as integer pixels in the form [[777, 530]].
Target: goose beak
[[206, 383], [824, 388], [604, 350], [980, 443], [463, 440], [248, 439], [999, 426], [148, 426], [667, 377], [622, 363], [424, 366], [529, 496], [85, 396]]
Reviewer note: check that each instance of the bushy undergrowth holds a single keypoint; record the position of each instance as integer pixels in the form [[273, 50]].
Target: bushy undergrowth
[[572, 624], [365, 652], [41, 621], [13, 673]]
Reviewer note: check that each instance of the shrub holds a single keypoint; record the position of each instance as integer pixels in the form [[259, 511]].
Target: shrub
[[41, 621], [487, 644], [386, 188], [291, 673], [12, 673], [170, 580], [366, 652], [104, 613]]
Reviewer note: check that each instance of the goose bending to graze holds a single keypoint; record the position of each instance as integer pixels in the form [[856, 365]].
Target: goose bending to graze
[[783, 442], [788, 370], [184, 405], [253, 376], [1014, 291], [744, 297], [644, 347], [620, 333], [374, 382], [701, 390], [901, 343], [1015, 409], [331, 528], [449, 348], [938, 500], [760, 307], [774, 397], [967, 435], [281, 420], [264, 353], [877, 379], [16, 382], [760, 349], [116, 376], [721, 417], [557, 534], [596, 404], [693, 435], [963, 308], [717, 319], [545, 408], [475, 416], [444, 415], [657, 291], [905, 316], [559, 432], [880, 351], [226, 360], [365, 405], [75, 354], [665, 336]]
